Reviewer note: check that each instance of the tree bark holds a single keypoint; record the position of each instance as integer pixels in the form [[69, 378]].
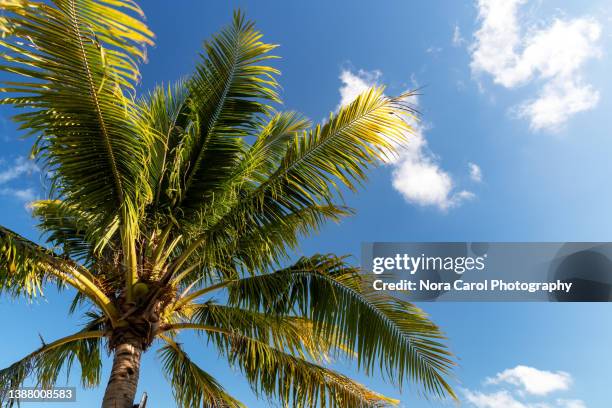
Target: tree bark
[[121, 389]]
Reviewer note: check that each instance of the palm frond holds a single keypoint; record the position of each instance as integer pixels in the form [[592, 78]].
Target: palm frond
[[19, 271], [46, 363], [26, 266], [231, 87], [273, 138], [271, 243], [294, 381], [192, 386], [261, 249], [295, 335], [66, 227], [337, 153], [407, 345], [166, 113], [222, 253], [317, 164], [79, 59]]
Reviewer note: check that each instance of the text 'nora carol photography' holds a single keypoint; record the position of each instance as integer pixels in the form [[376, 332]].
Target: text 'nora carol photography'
[[460, 285]]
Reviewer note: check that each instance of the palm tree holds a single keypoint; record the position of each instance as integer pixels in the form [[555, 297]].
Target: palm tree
[[177, 212]]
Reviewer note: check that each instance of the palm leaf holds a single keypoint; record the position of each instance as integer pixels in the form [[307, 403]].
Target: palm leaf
[[334, 295], [46, 363], [295, 381], [67, 227], [166, 113], [263, 248], [80, 60], [273, 138], [230, 88], [26, 266], [192, 386], [316, 164], [77, 99], [295, 335]]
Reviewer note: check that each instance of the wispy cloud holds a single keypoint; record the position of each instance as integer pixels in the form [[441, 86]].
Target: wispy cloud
[[475, 172], [433, 50], [565, 403], [515, 54], [13, 173], [20, 166], [524, 387], [498, 399], [26, 194], [457, 39], [416, 175]]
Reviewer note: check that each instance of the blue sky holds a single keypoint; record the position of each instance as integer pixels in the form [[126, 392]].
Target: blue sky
[[513, 145]]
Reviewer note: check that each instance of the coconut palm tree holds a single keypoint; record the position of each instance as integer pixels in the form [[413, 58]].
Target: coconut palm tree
[[177, 212]]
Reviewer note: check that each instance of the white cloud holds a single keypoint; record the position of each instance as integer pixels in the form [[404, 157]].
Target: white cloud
[[421, 181], [563, 403], [557, 103], [532, 380], [416, 175], [475, 172], [523, 387], [20, 167], [500, 399], [25, 195], [458, 39], [355, 84], [514, 54]]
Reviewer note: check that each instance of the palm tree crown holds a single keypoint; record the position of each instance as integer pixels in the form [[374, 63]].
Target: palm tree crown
[[198, 191]]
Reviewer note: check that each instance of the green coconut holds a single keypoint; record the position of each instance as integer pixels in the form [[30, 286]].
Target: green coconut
[[140, 290]]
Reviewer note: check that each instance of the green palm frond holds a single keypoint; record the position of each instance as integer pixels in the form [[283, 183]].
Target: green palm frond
[[192, 386], [271, 243], [26, 266], [273, 137], [231, 87], [46, 363], [265, 247], [78, 60], [273, 140], [337, 153], [294, 381], [19, 270], [407, 345], [67, 226], [166, 113], [295, 335], [316, 165]]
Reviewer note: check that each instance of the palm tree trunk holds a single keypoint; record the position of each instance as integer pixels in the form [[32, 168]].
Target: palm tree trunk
[[121, 389]]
